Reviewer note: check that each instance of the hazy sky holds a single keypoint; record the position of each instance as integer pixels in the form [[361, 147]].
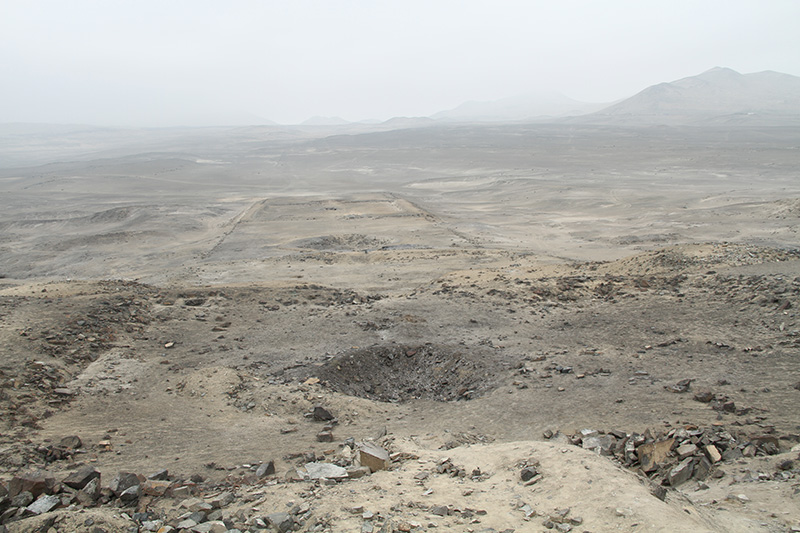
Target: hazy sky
[[198, 62]]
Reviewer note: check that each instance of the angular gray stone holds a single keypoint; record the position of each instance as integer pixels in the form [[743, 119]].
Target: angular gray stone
[[281, 521], [92, 489], [221, 500], [73, 442], [187, 523], [528, 473], [440, 510], [321, 414], [686, 450], [266, 469], [23, 499], [131, 494], [195, 504], [702, 468], [704, 396], [45, 504], [161, 475], [152, 525], [681, 473], [122, 482], [602, 444], [216, 526], [79, 478]]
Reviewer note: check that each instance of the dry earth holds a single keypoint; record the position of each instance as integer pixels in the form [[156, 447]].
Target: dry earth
[[469, 298]]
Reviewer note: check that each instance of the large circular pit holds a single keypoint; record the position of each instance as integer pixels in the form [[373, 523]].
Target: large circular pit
[[399, 373]]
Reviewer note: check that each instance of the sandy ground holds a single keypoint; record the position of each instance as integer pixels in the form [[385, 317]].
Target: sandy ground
[[435, 282]]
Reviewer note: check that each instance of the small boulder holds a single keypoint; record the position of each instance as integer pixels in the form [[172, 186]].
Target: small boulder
[[35, 483], [528, 473], [281, 521], [681, 473], [79, 478], [266, 469], [321, 414], [123, 481], [713, 454], [72, 442], [373, 456]]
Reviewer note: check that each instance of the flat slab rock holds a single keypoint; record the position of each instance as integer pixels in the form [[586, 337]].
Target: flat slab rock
[[325, 470], [45, 504]]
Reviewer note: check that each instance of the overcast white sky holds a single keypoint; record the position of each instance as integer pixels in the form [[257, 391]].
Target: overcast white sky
[[201, 62]]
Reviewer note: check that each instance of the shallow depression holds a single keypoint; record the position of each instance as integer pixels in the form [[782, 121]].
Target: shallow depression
[[399, 373]]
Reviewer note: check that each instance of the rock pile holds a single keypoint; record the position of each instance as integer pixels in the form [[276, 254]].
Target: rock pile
[[674, 457]]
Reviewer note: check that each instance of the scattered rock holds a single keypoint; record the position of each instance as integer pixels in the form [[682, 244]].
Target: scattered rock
[[704, 396], [528, 473], [123, 481], [373, 456], [321, 414], [680, 387], [266, 469], [282, 522], [72, 442], [131, 494], [78, 479], [440, 510]]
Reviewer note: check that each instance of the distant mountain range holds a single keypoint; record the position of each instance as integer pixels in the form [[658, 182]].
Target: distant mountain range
[[719, 95]]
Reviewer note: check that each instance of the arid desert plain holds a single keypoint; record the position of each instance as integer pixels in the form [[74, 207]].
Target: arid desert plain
[[543, 326]]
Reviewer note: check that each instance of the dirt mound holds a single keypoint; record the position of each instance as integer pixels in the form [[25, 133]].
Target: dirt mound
[[398, 373]]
